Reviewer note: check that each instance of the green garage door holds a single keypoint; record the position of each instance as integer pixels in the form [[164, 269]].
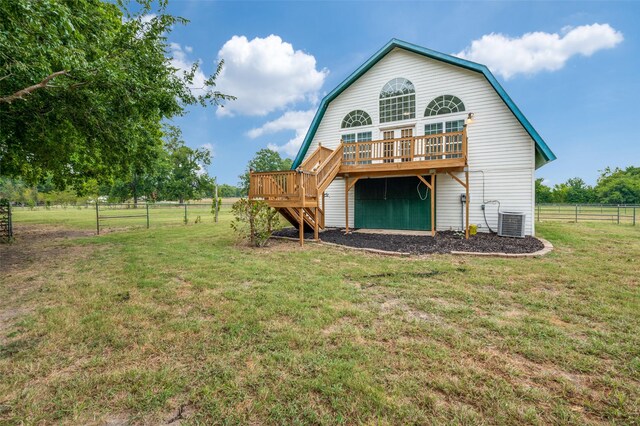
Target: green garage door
[[392, 203]]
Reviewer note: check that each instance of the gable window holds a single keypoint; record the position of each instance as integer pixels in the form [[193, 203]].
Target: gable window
[[445, 104], [356, 118], [397, 101]]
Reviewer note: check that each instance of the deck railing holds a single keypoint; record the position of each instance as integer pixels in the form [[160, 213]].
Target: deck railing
[[315, 159], [283, 184], [416, 148], [274, 184], [331, 163], [316, 173]]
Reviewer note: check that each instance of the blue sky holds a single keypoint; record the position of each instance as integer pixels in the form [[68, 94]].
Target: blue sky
[[574, 80]]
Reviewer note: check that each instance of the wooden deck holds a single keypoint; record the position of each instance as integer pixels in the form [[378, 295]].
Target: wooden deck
[[300, 193]]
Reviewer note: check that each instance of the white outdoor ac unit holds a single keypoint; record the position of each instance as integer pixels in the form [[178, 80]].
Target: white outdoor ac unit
[[511, 224]]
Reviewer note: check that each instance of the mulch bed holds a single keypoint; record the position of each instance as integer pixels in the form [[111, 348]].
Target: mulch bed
[[443, 242]]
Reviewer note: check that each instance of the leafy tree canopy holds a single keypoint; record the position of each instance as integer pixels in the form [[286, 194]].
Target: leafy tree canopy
[[619, 186], [84, 87], [614, 186], [265, 160], [227, 191]]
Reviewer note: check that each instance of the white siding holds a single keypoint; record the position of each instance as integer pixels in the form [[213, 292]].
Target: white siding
[[499, 147]]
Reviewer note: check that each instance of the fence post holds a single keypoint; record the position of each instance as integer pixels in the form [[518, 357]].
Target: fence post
[[147, 215], [538, 212], [185, 213], [11, 221], [215, 216], [618, 214], [97, 219], [576, 213], [634, 215]]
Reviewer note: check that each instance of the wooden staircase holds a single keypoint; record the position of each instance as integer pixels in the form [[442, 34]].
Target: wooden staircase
[[299, 194]]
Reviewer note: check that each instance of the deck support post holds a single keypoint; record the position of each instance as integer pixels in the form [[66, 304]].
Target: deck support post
[[315, 224], [433, 205], [301, 227], [302, 200], [324, 210], [346, 205], [466, 204]]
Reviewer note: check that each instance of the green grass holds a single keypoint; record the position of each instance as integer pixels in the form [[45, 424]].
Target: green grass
[[131, 326]]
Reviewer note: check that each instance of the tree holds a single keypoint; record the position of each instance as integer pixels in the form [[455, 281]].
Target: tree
[[187, 178], [228, 191], [619, 186], [574, 191], [265, 160], [82, 82], [543, 192]]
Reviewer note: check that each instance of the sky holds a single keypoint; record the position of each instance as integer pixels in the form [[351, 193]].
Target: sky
[[571, 67]]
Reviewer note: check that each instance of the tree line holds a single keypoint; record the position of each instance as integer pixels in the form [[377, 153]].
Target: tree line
[[171, 171], [614, 186]]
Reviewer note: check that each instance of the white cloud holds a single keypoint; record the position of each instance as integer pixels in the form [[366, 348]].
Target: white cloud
[[539, 51], [290, 120], [297, 121], [266, 74]]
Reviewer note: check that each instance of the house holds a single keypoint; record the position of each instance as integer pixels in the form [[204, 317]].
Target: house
[[413, 139]]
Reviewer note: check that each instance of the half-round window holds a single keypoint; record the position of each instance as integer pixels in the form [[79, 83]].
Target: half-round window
[[397, 100], [356, 118], [445, 104]]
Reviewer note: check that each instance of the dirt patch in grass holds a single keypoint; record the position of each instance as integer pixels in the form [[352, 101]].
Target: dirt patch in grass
[[35, 243], [443, 242], [37, 248]]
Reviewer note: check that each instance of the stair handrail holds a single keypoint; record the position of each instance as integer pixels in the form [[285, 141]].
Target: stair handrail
[[318, 157], [329, 164]]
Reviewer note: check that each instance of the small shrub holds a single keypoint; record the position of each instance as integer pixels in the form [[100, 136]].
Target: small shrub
[[254, 221]]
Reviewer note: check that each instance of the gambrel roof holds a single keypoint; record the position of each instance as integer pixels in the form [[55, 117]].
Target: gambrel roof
[[543, 152]]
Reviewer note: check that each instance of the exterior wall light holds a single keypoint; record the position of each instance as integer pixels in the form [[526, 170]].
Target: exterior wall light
[[469, 119]]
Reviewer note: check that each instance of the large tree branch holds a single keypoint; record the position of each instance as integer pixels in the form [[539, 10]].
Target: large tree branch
[[20, 94]]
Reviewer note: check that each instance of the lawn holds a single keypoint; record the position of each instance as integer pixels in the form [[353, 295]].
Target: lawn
[[180, 324]]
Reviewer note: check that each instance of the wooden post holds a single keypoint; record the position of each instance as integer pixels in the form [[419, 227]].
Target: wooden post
[[302, 195], [634, 215], [433, 205], [346, 205], [324, 210], [466, 204], [215, 216], [185, 214], [315, 224], [301, 226], [147, 215], [576, 213], [618, 214], [538, 212], [97, 219]]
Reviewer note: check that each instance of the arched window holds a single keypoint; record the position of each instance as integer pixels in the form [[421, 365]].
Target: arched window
[[445, 104], [356, 118], [397, 100]]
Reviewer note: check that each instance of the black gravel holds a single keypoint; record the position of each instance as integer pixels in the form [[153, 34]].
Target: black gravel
[[443, 242]]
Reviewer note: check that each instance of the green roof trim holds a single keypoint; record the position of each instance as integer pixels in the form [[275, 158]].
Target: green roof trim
[[543, 152]]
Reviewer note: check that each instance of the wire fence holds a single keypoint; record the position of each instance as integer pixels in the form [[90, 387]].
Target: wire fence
[[106, 217], [612, 213]]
